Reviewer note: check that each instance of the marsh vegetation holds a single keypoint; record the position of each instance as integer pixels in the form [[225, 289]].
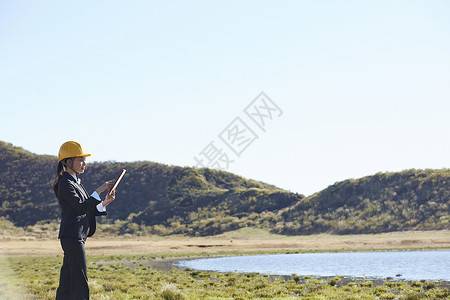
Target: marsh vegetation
[[138, 277]]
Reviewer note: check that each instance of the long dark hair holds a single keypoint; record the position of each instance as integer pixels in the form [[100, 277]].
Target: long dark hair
[[59, 172]]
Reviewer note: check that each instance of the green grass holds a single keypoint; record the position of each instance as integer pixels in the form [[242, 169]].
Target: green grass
[[133, 277], [10, 283]]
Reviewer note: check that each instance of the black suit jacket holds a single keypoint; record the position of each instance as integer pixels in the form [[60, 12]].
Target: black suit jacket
[[78, 209]]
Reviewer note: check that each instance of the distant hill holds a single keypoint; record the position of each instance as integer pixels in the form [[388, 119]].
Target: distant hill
[[160, 199], [408, 200], [152, 195], [25, 185]]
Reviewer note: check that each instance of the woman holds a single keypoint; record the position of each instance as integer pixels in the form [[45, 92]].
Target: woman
[[77, 219]]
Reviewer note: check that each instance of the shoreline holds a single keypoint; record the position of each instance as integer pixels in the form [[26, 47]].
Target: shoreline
[[168, 263]]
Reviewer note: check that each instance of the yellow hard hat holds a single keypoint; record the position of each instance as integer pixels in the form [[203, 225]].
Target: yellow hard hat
[[71, 149]]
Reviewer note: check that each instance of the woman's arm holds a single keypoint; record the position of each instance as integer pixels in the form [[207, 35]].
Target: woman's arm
[[109, 198], [68, 194]]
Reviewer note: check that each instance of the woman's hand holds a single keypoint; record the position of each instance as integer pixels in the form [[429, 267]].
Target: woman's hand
[[109, 198], [106, 186]]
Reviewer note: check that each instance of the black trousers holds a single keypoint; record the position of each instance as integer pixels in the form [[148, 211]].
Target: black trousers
[[73, 281]]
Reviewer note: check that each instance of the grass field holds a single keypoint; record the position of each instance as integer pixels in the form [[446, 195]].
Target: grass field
[[139, 268]]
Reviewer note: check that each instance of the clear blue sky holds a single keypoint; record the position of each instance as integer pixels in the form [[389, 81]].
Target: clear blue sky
[[363, 85]]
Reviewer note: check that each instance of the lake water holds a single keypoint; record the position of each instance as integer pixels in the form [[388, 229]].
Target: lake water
[[411, 265]]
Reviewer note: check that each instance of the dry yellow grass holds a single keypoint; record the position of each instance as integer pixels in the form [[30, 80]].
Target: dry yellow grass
[[245, 240]]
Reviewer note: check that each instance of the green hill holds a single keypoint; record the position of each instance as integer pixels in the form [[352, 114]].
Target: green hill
[[408, 200], [160, 199], [25, 185], [152, 197]]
